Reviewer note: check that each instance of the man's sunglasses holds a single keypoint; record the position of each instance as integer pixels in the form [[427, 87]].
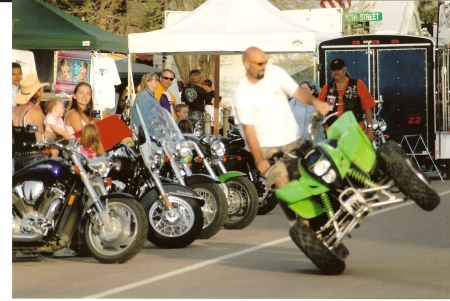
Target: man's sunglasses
[[168, 78], [260, 64]]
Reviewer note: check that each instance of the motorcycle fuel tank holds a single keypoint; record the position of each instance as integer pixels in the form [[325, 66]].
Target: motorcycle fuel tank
[[48, 171]]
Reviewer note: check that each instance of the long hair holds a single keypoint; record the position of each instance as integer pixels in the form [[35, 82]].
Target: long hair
[[89, 111], [90, 138], [195, 78], [145, 79]]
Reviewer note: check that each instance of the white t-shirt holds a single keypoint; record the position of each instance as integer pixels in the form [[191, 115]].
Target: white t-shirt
[[103, 77], [266, 106], [210, 110], [26, 61]]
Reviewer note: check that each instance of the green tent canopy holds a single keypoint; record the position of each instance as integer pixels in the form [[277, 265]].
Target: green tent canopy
[[42, 26]]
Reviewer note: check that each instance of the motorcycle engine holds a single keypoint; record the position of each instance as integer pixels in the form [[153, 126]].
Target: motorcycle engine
[[34, 207]]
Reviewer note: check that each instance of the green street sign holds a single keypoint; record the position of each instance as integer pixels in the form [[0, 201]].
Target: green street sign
[[363, 17]]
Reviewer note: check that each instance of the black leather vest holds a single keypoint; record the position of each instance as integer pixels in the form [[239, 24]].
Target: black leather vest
[[352, 101]]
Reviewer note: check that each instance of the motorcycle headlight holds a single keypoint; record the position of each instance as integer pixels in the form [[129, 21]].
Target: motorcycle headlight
[[330, 176], [321, 167], [383, 125], [375, 124], [182, 148], [217, 148], [101, 166]]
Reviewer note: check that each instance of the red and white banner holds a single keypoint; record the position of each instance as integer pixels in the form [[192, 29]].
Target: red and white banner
[[335, 3]]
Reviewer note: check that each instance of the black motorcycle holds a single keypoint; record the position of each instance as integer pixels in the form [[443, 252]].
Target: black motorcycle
[[208, 158], [168, 137], [240, 159], [174, 211], [56, 202]]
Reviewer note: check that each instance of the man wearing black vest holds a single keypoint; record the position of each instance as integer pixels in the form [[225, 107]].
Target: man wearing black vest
[[348, 94]]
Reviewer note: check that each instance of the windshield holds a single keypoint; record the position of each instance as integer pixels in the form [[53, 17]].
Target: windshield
[[169, 124]]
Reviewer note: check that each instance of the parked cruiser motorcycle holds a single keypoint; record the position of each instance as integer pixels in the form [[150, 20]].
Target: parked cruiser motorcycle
[[379, 126], [174, 211], [242, 194], [55, 200], [176, 170], [342, 181], [240, 159]]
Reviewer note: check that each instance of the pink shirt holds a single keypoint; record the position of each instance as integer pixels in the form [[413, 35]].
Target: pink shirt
[[89, 152], [51, 119]]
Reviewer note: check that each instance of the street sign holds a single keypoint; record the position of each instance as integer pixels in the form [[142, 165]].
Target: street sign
[[363, 17]]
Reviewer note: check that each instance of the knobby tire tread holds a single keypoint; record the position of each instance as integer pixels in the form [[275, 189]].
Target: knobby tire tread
[[393, 160], [326, 260]]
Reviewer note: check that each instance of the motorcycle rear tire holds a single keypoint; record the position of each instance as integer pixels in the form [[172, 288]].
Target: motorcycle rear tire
[[215, 208], [164, 237], [242, 203], [411, 181], [325, 259], [126, 214]]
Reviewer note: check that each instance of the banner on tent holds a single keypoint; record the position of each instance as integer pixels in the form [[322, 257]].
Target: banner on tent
[[71, 67]]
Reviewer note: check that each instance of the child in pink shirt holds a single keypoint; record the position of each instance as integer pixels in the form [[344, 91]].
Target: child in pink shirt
[[91, 146]]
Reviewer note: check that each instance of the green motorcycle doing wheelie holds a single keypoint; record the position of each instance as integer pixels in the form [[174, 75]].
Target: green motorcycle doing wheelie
[[335, 184]]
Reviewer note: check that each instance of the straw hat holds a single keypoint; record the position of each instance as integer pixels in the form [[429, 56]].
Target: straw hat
[[28, 86]]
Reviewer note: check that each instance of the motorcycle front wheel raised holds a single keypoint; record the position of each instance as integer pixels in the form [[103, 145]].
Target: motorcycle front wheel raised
[[242, 203], [411, 181], [124, 237], [325, 259], [173, 229], [215, 208]]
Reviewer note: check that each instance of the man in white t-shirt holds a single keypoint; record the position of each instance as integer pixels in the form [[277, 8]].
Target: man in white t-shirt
[[265, 120]]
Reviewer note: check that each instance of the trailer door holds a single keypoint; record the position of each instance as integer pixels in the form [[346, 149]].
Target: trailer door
[[402, 85], [359, 64]]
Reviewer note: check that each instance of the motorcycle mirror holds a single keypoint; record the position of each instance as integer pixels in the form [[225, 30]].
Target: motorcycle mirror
[[197, 132], [158, 129]]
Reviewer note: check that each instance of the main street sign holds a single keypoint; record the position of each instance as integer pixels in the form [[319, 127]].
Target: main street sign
[[363, 17]]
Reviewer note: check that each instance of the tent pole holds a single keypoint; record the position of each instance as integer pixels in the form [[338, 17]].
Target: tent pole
[[216, 93]]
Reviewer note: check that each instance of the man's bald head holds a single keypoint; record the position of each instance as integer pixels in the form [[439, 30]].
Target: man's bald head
[[251, 53], [255, 61]]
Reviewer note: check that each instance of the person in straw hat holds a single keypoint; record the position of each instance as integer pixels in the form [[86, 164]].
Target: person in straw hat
[[25, 112]]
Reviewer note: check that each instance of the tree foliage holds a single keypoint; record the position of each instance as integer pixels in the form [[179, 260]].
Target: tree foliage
[[428, 11], [122, 17]]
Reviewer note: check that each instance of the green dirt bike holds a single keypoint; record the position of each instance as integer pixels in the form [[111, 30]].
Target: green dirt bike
[[335, 184]]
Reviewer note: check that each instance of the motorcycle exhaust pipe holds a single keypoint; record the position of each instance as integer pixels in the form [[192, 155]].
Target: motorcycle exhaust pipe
[[23, 237]]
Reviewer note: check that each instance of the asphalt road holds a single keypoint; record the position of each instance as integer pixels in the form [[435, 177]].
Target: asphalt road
[[398, 252]]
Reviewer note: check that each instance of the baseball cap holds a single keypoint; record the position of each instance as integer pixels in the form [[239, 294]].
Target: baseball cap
[[337, 64]]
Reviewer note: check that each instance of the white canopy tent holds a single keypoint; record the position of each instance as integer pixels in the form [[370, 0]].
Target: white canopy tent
[[227, 27]]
